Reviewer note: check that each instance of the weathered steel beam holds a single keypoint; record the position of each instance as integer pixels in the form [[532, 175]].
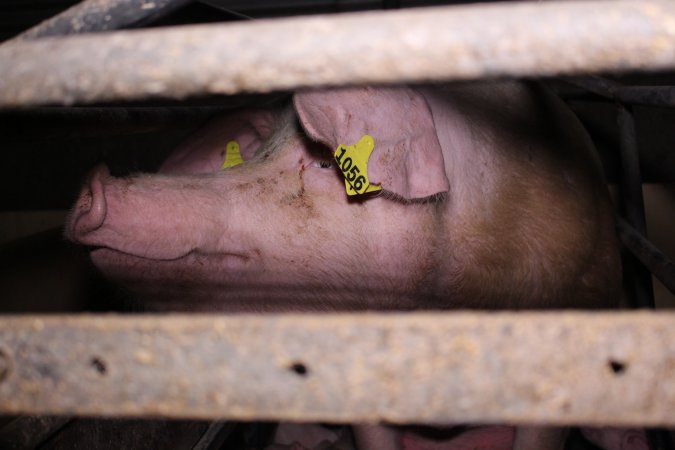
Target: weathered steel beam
[[558, 368], [418, 45], [102, 15]]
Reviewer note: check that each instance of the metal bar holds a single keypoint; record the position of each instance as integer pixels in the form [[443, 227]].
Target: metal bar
[[648, 95], [102, 15], [474, 41], [29, 432], [596, 85], [663, 96], [650, 256], [538, 368], [215, 436], [633, 203]]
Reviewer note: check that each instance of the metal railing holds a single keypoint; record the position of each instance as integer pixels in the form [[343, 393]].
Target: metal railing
[[561, 368]]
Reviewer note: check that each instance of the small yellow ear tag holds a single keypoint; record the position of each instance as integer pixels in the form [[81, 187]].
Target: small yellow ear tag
[[233, 155], [352, 160]]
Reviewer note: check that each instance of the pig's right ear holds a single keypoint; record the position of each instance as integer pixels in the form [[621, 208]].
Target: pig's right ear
[[407, 159], [211, 147]]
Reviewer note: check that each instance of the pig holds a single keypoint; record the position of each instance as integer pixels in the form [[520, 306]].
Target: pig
[[491, 198], [484, 195]]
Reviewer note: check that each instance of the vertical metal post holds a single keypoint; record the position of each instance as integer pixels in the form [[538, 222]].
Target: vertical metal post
[[637, 276]]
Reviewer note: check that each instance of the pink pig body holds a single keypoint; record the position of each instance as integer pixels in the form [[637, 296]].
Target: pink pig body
[[492, 197]]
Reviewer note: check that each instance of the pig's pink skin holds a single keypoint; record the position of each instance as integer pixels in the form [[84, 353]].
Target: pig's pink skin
[[204, 151], [92, 202], [311, 436], [526, 221], [476, 438], [257, 233], [408, 158]]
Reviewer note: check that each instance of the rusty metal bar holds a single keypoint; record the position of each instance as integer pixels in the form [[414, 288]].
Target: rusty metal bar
[[102, 15], [418, 45], [650, 256], [554, 368]]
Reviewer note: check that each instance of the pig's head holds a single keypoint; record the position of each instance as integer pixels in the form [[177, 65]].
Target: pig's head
[[489, 197], [278, 231]]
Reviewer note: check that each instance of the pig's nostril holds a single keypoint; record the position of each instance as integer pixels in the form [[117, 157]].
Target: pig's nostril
[[90, 209], [84, 202]]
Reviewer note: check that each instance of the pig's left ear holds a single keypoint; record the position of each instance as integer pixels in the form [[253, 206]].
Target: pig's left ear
[[407, 159]]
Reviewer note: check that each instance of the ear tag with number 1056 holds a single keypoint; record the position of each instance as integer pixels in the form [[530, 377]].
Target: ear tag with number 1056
[[233, 155], [352, 160]]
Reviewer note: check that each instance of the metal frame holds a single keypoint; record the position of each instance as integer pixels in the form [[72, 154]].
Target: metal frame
[[633, 229], [483, 40], [430, 368], [563, 368]]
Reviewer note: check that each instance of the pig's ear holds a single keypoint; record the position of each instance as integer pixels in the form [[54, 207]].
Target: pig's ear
[[407, 159], [208, 148]]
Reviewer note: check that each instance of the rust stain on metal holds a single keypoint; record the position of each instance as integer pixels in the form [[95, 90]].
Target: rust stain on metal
[[476, 41], [557, 368]]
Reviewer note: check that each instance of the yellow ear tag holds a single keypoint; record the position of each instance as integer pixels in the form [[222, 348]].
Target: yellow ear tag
[[233, 155], [352, 160]]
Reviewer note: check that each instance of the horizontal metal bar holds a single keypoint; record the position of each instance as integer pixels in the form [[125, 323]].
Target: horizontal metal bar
[[554, 368], [663, 96], [418, 45], [647, 253], [102, 15]]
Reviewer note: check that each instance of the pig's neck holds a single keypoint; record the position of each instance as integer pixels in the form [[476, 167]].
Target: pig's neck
[[484, 186]]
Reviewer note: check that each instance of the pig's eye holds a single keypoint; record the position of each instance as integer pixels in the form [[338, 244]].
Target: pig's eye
[[324, 164]]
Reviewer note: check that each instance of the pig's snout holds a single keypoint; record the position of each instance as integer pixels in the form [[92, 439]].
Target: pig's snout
[[90, 209], [149, 216]]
